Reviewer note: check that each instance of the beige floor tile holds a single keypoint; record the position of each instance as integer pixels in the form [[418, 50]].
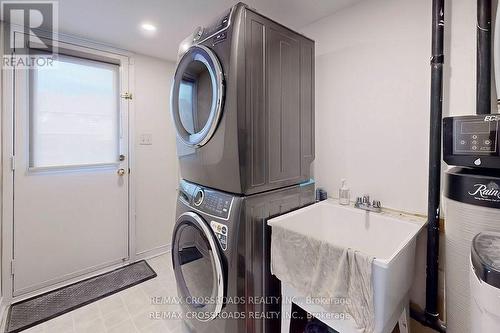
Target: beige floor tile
[[90, 326], [168, 283], [156, 327], [151, 285], [179, 329], [158, 264], [111, 304], [124, 327], [136, 302], [61, 324], [144, 318], [37, 329], [175, 321], [154, 295], [116, 317], [131, 290], [87, 313]]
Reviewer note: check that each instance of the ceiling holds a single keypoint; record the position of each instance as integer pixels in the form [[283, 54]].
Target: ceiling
[[117, 22]]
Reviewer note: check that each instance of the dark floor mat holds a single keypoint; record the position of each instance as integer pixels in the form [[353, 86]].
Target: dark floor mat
[[36, 310]]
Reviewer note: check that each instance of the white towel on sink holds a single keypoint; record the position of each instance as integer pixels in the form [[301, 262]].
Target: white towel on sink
[[341, 278]]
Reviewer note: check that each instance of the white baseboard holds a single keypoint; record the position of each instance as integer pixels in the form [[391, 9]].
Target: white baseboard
[[155, 252]]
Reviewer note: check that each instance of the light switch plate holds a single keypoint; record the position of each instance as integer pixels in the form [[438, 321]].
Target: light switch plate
[[146, 139]]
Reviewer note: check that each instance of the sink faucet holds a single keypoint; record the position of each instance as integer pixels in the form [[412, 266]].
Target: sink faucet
[[365, 204]]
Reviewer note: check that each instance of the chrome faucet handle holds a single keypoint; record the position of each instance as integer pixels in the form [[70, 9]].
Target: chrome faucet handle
[[366, 199], [359, 200], [376, 204]]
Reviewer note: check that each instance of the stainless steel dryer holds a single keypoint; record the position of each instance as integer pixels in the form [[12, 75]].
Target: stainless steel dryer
[[221, 257], [242, 102]]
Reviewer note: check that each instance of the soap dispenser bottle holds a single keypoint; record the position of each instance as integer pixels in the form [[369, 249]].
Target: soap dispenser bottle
[[344, 194]]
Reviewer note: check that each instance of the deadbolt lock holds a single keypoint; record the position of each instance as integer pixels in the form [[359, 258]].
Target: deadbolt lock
[[122, 157]]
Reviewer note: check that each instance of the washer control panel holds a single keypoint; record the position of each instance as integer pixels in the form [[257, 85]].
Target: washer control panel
[[214, 203], [198, 197], [211, 202], [221, 231], [472, 141]]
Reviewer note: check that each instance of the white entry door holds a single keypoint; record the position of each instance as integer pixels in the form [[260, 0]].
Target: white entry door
[[71, 172]]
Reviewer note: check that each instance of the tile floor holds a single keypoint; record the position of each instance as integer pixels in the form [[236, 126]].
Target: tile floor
[[128, 311]]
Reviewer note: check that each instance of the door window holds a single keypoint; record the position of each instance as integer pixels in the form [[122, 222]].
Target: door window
[[74, 113], [197, 96], [198, 268]]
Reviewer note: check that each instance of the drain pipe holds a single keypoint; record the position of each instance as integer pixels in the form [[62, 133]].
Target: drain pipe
[[430, 317], [483, 74]]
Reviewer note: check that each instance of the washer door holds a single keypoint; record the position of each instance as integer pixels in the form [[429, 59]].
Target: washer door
[[198, 267], [197, 96]]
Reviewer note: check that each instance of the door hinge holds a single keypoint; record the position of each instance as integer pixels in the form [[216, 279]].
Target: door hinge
[[126, 95], [12, 267], [13, 163]]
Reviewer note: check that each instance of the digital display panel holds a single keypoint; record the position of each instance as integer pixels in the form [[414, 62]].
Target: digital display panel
[[475, 137], [472, 141], [475, 127]]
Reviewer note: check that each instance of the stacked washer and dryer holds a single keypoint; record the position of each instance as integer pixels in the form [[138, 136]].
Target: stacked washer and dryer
[[242, 103]]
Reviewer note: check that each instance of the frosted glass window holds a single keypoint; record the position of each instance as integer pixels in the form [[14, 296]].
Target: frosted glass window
[[74, 113], [187, 106]]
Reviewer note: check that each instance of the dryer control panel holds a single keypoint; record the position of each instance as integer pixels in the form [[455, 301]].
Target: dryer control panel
[[472, 141], [217, 30]]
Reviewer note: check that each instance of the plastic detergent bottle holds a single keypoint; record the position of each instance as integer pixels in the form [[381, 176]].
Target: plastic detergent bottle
[[344, 194]]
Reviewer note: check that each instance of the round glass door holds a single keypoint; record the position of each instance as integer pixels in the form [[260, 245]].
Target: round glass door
[[198, 267], [197, 96]]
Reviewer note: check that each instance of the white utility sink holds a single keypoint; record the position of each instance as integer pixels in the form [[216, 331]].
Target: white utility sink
[[389, 237]]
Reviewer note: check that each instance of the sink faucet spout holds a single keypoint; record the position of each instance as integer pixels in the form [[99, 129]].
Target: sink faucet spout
[[365, 204]]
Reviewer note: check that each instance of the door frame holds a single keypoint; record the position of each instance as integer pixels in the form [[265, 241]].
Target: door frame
[[125, 58]]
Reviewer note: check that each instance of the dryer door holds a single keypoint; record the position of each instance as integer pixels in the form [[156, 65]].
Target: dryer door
[[198, 267], [197, 96]]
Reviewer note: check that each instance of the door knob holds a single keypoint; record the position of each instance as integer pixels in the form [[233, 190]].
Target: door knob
[[120, 172]]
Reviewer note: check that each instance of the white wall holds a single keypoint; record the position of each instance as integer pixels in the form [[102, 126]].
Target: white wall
[[460, 49], [372, 94], [372, 99], [156, 168]]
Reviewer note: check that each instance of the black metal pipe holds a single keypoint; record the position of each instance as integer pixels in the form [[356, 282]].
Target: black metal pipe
[[434, 186], [483, 74], [431, 316], [436, 325]]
